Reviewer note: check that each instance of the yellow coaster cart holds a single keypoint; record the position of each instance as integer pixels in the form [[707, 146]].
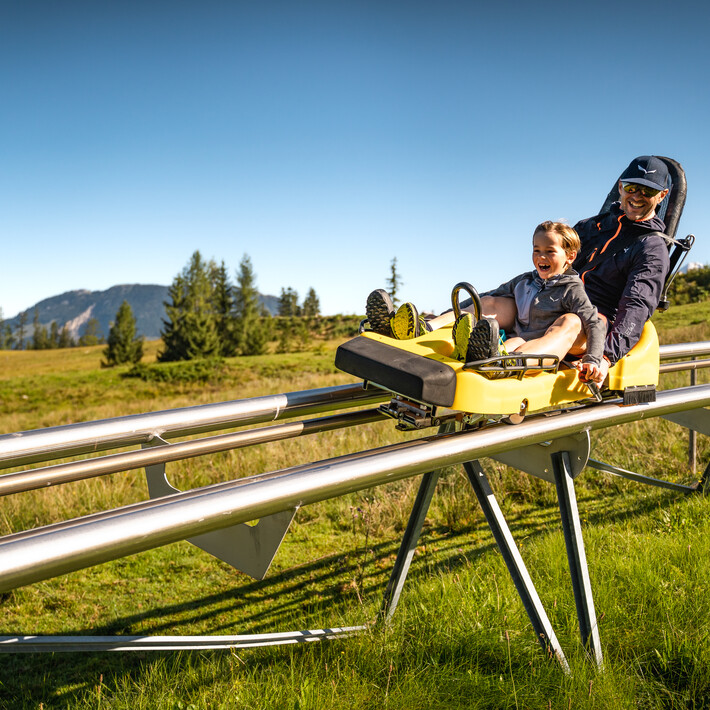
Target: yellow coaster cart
[[428, 385]]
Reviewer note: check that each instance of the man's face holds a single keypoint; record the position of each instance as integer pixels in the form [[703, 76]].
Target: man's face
[[636, 205]]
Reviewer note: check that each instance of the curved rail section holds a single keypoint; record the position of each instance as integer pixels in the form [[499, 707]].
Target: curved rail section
[[555, 448]]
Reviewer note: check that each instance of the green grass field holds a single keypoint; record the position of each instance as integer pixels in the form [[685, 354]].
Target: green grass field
[[460, 637]]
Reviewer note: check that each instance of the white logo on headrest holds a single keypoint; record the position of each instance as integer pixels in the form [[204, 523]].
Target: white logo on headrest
[[648, 172]]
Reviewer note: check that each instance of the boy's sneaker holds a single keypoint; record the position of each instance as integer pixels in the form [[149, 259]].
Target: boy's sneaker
[[379, 311], [461, 333], [407, 323], [483, 341]]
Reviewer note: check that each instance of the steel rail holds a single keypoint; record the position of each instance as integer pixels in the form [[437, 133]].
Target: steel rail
[[678, 350], [66, 644], [49, 552], [39, 445], [36, 446], [683, 366], [33, 479]]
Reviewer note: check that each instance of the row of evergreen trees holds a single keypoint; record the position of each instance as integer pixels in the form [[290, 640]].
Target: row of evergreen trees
[[206, 315], [209, 316], [39, 337]]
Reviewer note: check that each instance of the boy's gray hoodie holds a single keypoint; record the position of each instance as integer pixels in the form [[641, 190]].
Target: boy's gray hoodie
[[539, 302]]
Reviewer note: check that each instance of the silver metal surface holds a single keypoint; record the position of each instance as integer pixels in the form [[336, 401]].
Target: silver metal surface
[[536, 459], [677, 350], [126, 461], [54, 550], [576, 556], [66, 644], [639, 478], [87, 437], [684, 365], [516, 566], [22, 448], [248, 548], [409, 542], [695, 419]]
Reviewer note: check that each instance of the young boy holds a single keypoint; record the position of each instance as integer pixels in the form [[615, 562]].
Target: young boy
[[541, 296]]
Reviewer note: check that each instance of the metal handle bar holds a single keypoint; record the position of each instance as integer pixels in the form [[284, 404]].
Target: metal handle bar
[[465, 286]]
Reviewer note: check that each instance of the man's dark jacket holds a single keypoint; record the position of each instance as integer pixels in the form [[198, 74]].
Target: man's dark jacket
[[623, 268]]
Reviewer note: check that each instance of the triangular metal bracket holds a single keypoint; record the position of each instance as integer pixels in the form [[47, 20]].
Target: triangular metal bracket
[[248, 548], [693, 419], [536, 459]]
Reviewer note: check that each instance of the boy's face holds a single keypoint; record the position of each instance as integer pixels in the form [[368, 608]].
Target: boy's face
[[549, 258]]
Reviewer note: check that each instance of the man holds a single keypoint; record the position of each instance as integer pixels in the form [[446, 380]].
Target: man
[[623, 263]]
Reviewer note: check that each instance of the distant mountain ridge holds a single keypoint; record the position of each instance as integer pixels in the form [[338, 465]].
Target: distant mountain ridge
[[75, 308]]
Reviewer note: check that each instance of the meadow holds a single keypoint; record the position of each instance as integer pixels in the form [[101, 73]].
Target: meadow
[[460, 637]]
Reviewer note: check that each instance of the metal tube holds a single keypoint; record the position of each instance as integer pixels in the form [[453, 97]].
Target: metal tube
[[49, 553], [21, 448], [691, 365], [692, 434], [37, 445], [676, 350], [64, 644], [80, 470]]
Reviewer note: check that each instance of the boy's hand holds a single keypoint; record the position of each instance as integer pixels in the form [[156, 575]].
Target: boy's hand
[[589, 372]]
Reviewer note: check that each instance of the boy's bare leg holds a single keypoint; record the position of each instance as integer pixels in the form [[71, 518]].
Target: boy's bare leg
[[502, 309], [558, 339]]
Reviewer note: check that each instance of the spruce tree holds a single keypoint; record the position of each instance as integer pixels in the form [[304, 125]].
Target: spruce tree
[[65, 338], [190, 331], [311, 304], [288, 303], [92, 334], [6, 339], [40, 339], [249, 321], [173, 331], [393, 282], [123, 345], [223, 305], [53, 334], [21, 330], [201, 326]]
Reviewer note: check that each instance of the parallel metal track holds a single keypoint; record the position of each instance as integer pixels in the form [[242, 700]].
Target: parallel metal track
[[55, 550], [38, 445], [42, 553]]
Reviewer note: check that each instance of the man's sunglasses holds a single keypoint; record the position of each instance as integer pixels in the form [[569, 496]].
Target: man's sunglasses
[[632, 187]]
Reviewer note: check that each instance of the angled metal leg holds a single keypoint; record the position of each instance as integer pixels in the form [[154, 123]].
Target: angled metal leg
[[409, 543], [516, 566], [576, 556]]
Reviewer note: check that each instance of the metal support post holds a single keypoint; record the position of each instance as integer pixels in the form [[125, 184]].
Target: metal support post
[[409, 543], [692, 434], [576, 556], [514, 561]]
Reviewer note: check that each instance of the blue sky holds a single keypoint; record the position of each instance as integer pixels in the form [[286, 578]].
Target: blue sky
[[325, 138]]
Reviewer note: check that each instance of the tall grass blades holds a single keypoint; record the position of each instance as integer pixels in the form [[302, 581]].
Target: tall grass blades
[[460, 637]]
